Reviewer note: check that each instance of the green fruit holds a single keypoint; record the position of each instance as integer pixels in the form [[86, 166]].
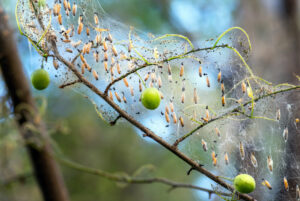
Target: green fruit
[[150, 98], [244, 183], [40, 79], [42, 3]]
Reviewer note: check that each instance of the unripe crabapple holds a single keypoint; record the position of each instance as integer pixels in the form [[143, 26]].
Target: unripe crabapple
[[40, 79], [150, 98], [244, 183]]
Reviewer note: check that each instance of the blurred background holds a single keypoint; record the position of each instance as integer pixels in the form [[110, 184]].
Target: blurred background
[[273, 27]]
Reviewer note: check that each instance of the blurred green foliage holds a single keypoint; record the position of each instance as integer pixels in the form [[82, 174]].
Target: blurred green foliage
[[147, 15]]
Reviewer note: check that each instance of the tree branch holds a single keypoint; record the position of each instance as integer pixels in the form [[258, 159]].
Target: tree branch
[[46, 170], [134, 180]]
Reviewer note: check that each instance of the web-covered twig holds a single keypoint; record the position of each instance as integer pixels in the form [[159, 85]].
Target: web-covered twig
[[161, 62], [232, 112], [69, 84]]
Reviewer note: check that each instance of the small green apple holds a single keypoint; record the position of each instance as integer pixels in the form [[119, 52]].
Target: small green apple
[[150, 98], [244, 183], [40, 79], [42, 3]]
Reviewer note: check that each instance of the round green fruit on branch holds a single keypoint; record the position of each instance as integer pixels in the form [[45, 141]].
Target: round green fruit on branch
[[42, 3], [40, 79], [150, 98], [244, 183]]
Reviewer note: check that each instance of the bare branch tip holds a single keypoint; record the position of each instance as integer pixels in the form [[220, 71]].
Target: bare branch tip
[[115, 121]]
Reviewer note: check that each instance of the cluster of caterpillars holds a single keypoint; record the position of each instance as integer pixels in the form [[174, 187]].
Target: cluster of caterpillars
[[99, 47], [252, 157], [104, 46]]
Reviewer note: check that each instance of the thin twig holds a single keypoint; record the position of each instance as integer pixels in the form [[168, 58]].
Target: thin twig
[[75, 58], [69, 84], [189, 171], [112, 123], [133, 180]]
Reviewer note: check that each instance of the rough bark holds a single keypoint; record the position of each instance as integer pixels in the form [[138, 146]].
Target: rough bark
[[45, 168]]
